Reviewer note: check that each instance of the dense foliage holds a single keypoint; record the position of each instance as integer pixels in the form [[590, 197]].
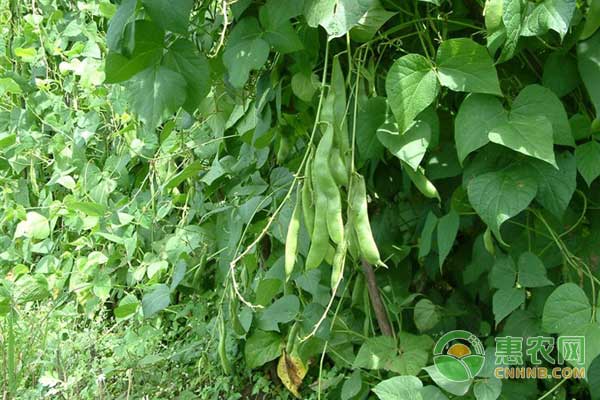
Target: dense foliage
[[269, 199]]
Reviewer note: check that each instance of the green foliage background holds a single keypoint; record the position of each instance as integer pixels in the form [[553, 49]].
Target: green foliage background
[[154, 153]]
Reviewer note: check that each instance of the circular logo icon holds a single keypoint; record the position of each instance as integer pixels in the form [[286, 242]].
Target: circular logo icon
[[459, 356]]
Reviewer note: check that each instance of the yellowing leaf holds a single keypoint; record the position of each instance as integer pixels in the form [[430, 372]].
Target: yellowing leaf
[[291, 370]]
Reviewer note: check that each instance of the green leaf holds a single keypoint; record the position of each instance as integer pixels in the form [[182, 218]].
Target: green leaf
[[336, 16], [148, 50], [456, 388], [399, 388], [477, 116], [127, 307], [560, 74], [426, 315], [352, 386], [427, 234], [588, 160], [86, 207], [512, 19], [381, 352], [282, 310], [532, 272], [592, 21], [245, 51], [190, 171], [411, 86], [506, 301], [174, 17], [593, 378], [588, 61], [433, 393], [551, 14], [117, 24], [370, 23], [466, 66], [35, 226], [537, 100], [567, 307], [500, 195], [529, 135], [370, 116], [409, 146], [504, 273], [156, 92], [157, 299], [555, 186], [183, 57], [446, 234], [262, 347], [275, 17], [487, 389]]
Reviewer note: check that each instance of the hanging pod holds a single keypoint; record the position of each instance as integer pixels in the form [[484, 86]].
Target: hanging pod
[[360, 220]]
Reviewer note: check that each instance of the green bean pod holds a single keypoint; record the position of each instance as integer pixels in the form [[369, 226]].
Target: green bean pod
[[221, 348], [291, 240], [338, 167], [360, 218], [319, 238], [421, 182], [337, 267], [308, 206], [326, 185]]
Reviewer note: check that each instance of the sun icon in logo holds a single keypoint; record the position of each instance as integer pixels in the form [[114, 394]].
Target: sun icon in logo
[[459, 356]]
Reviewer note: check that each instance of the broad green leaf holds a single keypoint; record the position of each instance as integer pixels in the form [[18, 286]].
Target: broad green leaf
[[371, 22], [456, 388], [500, 195], [274, 18], [157, 299], [433, 393], [117, 24], [411, 86], [183, 57], [487, 389], [446, 234], [477, 116], [466, 66], [86, 207], [504, 273], [245, 51], [35, 226], [282, 310], [10, 86], [593, 378], [127, 307], [409, 146], [588, 160], [537, 100], [148, 50], [496, 32], [560, 74], [588, 61], [426, 315], [532, 272], [427, 234], [304, 85], [262, 347], [512, 19], [352, 386], [555, 186], [591, 335], [189, 171], [550, 14], [566, 308], [592, 20], [399, 388], [156, 92], [529, 135], [506, 301], [171, 16], [381, 352], [336, 16], [370, 116]]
